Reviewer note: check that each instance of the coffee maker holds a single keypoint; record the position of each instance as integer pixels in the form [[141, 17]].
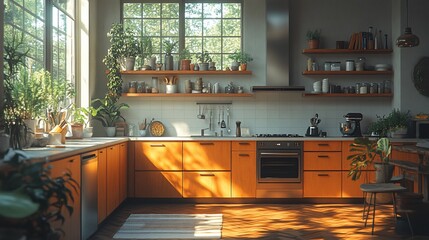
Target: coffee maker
[[351, 127]]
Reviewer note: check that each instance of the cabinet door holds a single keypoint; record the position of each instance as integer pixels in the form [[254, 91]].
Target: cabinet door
[[350, 188], [71, 226], [158, 184], [102, 184], [206, 184], [243, 171], [345, 164], [206, 155], [112, 178], [321, 146], [322, 160], [123, 149], [322, 183], [158, 156]]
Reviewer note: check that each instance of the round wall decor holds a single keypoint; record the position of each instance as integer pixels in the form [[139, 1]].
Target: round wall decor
[[421, 76]]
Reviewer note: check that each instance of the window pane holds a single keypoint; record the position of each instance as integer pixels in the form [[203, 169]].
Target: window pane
[[170, 10], [212, 10], [212, 27], [193, 27], [151, 10], [66, 6], [232, 27], [195, 45], [133, 24], [213, 45], [152, 27], [170, 27], [193, 10], [231, 44], [232, 10], [132, 10]]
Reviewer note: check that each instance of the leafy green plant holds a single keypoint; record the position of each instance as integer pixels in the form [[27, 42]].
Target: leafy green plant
[[108, 111], [313, 35], [30, 198], [203, 57], [385, 124], [169, 46], [185, 54], [241, 57], [364, 151], [82, 115], [146, 47]]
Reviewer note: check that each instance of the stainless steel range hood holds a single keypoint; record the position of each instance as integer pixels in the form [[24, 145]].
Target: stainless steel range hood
[[277, 23]]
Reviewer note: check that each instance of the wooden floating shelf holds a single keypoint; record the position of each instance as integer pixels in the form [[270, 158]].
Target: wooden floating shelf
[[187, 95], [347, 72], [179, 72], [347, 51], [347, 95]]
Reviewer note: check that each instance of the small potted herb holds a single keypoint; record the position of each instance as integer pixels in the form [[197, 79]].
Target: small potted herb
[[185, 59], [169, 46], [203, 60], [239, 60], [313, 38], [130, 49], [149, 61], [81, 116]]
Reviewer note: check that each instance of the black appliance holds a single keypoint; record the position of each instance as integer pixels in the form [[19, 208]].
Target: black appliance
[[351, 127]]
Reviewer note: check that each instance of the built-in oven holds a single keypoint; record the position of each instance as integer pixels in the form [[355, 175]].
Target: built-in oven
[[279, 168], [279, 161]]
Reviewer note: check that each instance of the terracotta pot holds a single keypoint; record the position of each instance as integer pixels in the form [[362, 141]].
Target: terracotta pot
[[77, 130], [384, 172], [313, 44], [243, 67], [185, 64]]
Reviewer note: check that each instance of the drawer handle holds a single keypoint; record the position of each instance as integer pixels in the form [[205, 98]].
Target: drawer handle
[[244, 143], [243, 155], [100, 151], [206, 143], [323, 175], [323, 156], [207, 175], [323, 144], [71, 160], [157, 145]]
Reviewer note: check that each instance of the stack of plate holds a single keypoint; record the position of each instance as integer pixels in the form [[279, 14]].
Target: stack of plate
[[382, 67]]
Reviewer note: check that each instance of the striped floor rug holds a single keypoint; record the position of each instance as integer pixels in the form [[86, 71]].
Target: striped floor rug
[[171, 226]]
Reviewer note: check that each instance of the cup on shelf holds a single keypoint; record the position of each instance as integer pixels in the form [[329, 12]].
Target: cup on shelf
[[317, 86], [325, 85]]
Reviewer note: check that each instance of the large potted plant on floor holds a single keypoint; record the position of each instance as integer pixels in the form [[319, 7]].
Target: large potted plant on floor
[[364, 152], [108, 112], [30, 199]]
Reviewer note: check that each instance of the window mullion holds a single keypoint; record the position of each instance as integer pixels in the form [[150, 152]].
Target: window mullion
[[48, 36], [181, 25]]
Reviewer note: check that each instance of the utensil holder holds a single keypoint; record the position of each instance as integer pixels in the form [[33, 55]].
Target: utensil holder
[[170, 88]]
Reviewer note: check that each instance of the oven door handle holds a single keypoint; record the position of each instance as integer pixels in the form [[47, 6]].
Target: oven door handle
[[279, 154]]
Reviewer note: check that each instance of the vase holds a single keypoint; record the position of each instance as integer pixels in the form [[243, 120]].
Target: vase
[[212, 66], [235, 66], [168, 62], [110, 131]]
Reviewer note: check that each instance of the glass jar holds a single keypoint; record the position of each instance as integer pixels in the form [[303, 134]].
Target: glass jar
[[387, 87], [132, 88], [141, 87], [350, 65], [155, 87], [373, 88], [358, 88], [360, 64], [240, 89]]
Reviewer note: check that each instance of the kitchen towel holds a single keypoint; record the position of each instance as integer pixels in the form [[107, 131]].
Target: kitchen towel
[[171, 226]]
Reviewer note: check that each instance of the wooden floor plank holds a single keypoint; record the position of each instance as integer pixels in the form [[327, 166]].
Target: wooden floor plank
[[272, 221]]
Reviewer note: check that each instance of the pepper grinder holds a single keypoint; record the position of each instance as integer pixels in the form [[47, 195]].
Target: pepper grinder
[[238, 129]]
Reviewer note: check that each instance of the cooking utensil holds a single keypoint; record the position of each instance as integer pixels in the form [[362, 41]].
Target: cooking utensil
[[223, 124], [201, 114], [227, 121], [218, 122]]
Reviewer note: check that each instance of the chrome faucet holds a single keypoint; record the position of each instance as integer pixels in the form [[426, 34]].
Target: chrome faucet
[[202, 131]]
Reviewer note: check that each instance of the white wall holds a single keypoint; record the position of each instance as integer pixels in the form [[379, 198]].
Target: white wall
[[285, 112]]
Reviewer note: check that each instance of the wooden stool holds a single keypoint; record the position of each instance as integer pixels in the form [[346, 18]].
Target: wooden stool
[[373, 189]]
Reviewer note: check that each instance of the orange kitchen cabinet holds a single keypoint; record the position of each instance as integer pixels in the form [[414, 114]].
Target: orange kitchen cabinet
[[322, 146], [158, 156], [71, 226], [207, 155], [350, 188], [243, 173], [102, 184], [158, 184], [243, 146], [322, 160], [123, 152], [207, 184], [112, 174], [322, 184]]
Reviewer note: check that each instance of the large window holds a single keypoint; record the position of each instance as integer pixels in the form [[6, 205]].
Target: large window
[[47, 30], [215, 27]]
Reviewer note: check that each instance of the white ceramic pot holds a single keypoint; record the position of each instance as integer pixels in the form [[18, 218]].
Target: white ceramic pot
[[110, 131], [87, 132]]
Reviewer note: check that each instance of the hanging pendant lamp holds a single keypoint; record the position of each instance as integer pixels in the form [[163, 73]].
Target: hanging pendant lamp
[[408, 39]]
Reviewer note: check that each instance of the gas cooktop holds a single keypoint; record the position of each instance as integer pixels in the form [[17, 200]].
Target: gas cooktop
[[277, 135]]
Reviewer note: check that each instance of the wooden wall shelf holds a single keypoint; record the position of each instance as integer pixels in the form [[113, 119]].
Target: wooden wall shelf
[[179, 72], [346, 51], [187, 95], [346, 95], [347, 72]]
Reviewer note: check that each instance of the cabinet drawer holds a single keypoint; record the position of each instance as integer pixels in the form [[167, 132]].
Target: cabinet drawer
[[243, 171], [320, 146], [206, 184], [322, 160], [322, 184], [206, 155], [158, 184], [244, 145], [158, 156]]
